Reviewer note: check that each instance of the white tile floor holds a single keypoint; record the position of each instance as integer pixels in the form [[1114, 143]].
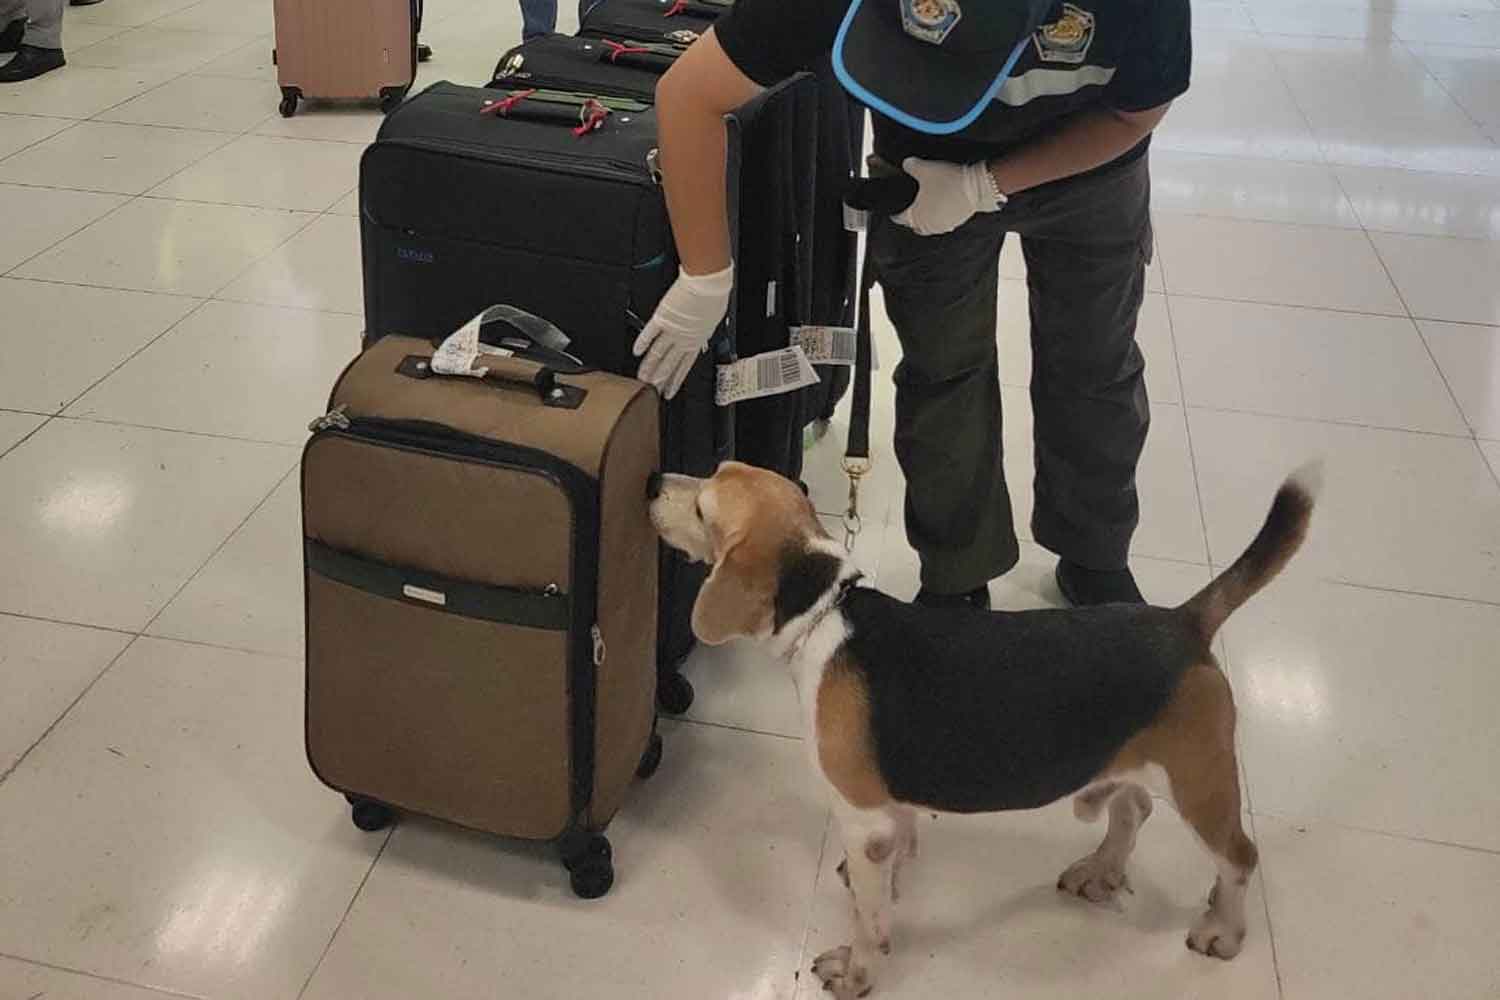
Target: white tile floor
[[179, 284]]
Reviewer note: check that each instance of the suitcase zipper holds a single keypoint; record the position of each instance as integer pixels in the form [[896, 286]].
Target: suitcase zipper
[[607, 168], [599, 650]]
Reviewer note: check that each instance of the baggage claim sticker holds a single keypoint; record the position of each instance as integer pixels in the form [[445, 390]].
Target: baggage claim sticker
[[768, 374]]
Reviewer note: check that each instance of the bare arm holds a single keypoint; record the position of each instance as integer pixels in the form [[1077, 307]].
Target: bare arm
[[692, 100], [1090, 140]]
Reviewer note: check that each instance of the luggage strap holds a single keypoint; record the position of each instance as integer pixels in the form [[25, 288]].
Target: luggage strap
[[585, 112], [657, 57], [877, 196]]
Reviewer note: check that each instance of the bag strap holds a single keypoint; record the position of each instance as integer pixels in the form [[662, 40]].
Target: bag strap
[[655, 57], [876, 196]]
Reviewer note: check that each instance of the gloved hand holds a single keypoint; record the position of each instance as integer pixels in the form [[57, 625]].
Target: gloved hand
[[679, 330], [948, 195]]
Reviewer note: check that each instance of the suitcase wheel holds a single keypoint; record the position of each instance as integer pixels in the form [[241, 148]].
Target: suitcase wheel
[[675, 694], [424, 53], [591, 864], [651, 759], [290, 96], [370, 815]]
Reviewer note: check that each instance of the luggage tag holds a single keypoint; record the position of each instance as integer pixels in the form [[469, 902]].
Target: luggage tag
[[768, 374], [459, 351], [826, 345]]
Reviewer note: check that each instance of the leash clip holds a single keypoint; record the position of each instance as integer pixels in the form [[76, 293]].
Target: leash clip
[[856, 469]]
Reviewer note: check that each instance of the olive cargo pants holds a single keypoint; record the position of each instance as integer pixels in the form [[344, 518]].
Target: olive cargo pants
[[1087, 242]]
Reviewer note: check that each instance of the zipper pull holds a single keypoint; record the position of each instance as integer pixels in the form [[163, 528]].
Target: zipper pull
[[334, 419], [598, 646]]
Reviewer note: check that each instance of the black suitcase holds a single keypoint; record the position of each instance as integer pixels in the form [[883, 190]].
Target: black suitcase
[[678, 21], [623, 68], [541, 205]]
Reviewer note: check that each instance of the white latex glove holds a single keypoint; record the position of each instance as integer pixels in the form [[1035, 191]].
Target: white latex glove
[[948, 195], [681, 327]]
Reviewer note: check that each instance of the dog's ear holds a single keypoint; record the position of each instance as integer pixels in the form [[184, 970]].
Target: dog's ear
[[733, 601]]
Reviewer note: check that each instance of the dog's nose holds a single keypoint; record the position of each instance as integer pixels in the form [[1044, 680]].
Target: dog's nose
[[653, 486]]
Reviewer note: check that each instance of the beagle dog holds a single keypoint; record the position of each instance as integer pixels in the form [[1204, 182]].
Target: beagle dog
[[965, 711]]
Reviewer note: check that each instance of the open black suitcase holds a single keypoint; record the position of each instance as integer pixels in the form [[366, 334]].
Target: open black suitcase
[[795, 260]]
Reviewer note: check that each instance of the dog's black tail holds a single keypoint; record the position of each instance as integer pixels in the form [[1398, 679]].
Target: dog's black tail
[[1278, 540]]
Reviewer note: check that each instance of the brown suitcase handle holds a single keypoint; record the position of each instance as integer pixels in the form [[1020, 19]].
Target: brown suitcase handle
[[507, 372]]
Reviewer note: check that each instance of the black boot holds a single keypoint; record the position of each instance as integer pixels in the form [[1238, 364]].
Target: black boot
[[979, 598], [1083, 587], [11, 35], [31, 62]]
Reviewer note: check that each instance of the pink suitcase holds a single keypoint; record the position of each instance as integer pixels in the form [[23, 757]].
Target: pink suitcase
[[346, 49]]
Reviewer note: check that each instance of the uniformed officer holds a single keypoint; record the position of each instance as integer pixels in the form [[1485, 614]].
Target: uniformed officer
[[1030, 117]]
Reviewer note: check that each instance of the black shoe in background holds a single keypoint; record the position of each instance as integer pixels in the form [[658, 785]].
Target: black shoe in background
[[11, 35], [979, 598], [1083, 587], [31, 62]]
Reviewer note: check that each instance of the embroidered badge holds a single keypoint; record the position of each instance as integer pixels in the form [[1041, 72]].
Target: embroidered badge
[[930, 21], [683, 36], [1067, 39]]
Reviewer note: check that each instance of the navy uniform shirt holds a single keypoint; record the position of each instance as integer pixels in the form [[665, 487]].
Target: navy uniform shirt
[[1127, 55]]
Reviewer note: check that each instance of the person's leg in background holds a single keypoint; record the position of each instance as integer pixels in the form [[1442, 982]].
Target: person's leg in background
[[12, 25], [538, 17], [40, 49], [940, 294], [1086, 254]]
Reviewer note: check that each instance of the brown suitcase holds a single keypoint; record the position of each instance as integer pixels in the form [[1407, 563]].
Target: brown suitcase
[[346, 49], [481, 577]]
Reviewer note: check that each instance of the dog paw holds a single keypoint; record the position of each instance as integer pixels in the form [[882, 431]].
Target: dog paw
[[839, 975], [1095, 879], [1214, 936]]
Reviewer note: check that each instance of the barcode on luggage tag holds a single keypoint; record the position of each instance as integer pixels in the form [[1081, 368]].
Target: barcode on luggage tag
[[766, 374], [826, 345]]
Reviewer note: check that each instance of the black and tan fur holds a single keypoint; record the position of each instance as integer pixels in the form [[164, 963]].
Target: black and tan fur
[[911, 708]]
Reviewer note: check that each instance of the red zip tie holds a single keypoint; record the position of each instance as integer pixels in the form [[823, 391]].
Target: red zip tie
[[591, 116], [678, 6], [618, 49], [505, 104]]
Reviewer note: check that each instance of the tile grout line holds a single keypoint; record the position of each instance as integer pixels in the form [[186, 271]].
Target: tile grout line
[[732, 728], [1332, 309], [60, 413], [217, 549], [130, 644], [1417, 325], [186, 295], [98, 978], [379, 853], [1357, 424], [1376, 832], [137, 635], [103, 422], [1291, 95], [1431, 595], [812, 903], [1406, 46], [43, 619], [95, 117]]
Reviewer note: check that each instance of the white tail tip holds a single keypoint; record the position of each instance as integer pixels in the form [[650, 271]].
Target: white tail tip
[[1308, 478]]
